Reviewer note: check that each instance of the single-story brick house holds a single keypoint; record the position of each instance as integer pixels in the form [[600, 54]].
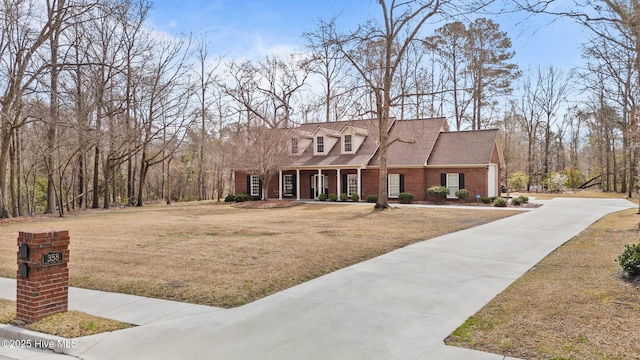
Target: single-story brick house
[[342, 157]]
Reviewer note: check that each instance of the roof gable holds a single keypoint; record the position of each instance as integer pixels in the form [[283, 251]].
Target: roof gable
[[411, 142], [474, 147]]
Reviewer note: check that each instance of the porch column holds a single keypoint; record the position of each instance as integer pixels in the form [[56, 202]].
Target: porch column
[[297, 184], [360, 183], [320, 187], [280, 184], [338, 183]]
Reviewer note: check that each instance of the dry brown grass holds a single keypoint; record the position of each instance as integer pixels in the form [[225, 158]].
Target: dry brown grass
[[214, 254], [572, 305], [69, 324], [575, 194]]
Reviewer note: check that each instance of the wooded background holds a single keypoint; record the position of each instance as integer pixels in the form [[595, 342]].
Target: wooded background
[[97, 109]]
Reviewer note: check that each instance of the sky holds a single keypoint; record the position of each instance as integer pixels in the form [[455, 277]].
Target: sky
[[254, 28]]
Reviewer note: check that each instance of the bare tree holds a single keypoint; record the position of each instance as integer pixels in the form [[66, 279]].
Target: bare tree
[[23, 32], [530, 123], [163, 106], [552, 93], [263, 150], [401, 24], [207, 78], [330, 65]]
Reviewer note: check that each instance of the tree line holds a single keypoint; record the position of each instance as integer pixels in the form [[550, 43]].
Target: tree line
[[97, 109]]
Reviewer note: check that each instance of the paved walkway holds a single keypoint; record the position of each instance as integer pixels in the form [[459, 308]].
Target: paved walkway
[[397, 306]]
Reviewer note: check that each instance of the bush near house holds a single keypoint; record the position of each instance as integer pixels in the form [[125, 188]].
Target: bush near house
[[462, 194], [438, 192], [242, 197], [500, 202], [355, 197], [344, 197], [333, 197], [372, 198], [322, 197], [405, 198], [229, 198]]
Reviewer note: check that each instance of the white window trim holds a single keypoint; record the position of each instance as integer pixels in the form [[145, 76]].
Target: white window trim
[[453, 188], [395, 183], [317, 145], [288, 185], [255, 185], [351, 177], [344, 144]]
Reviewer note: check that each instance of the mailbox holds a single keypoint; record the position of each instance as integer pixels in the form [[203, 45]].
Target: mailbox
[[24, 251], [23, 269], [43, 275]]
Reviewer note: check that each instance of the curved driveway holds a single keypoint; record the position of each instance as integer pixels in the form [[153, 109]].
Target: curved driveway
[[397, 306]]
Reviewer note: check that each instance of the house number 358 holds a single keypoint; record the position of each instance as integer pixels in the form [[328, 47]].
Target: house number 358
[[52, 258]]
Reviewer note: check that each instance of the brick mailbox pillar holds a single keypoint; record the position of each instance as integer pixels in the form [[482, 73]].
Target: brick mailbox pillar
[[43, 275]]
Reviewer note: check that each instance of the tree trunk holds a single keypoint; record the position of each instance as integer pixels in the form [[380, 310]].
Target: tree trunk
[[12, 178], [4, 158], [107, 182], [96, 178]]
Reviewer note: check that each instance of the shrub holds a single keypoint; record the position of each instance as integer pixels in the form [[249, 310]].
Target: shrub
[[516, 201], [575, 178], [518, 180], [500, 202], [438, 192], [333, 197], [557, 182], [242, 197], [322, 197], [372, 198], [344, 197], [405, 198], [355, 197], [486, 200], [229, 198], [523, 199], [462, 194], [629, 260]]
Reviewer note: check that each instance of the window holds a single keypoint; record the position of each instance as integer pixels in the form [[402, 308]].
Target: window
[[394, 185], [288, 185], [348, 143], [314, 185], [352, 184], [320, 144], [453, 184], [294, 146], [255, 185]]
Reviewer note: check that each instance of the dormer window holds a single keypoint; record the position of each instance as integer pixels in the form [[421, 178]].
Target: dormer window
[[320, 144], [294, 146], [348, 144]]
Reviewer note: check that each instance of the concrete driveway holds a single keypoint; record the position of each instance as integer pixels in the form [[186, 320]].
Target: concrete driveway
[[397, 306]]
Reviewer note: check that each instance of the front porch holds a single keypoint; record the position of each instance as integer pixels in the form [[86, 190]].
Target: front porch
[[308, 184]]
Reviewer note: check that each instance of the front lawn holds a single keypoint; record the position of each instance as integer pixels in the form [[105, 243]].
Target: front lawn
[[219, 255]]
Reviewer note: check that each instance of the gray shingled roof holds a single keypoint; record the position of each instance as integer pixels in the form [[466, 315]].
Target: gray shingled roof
[[414, 141], [464, 148], [335, 157]]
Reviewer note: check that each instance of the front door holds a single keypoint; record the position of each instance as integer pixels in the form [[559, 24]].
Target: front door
[[324, 186]]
